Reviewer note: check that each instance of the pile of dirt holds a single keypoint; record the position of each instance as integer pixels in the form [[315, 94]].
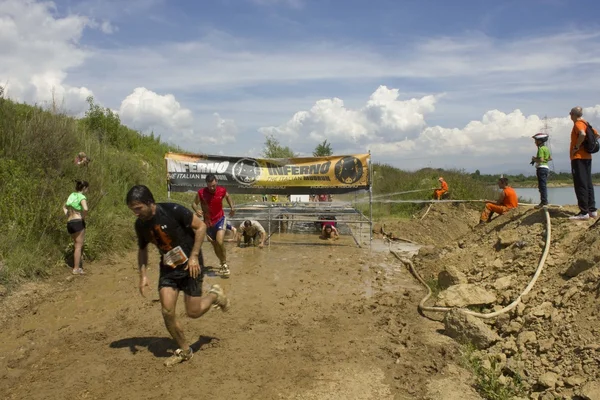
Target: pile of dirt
[[549, 341], [440, 224]]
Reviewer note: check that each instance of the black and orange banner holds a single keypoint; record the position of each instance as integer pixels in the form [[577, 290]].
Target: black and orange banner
[[301, 175]]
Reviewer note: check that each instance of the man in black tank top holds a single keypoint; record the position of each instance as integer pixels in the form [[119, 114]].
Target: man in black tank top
[[178, 234]]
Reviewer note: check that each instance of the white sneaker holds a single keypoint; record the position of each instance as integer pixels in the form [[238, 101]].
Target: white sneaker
[[222, 301], [580, 217], [594, 214], [224, 271]]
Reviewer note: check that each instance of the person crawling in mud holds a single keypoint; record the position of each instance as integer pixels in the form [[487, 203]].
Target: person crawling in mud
[[178, 234], [506, 201], [329, 231], [252, 232]]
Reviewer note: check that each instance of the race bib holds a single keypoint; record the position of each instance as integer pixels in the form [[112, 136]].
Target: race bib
[[175, 257]]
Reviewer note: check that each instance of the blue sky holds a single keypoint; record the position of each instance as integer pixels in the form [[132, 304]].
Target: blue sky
[[461, 84]]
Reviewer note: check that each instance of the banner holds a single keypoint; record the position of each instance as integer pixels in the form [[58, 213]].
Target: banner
[[302, 175]]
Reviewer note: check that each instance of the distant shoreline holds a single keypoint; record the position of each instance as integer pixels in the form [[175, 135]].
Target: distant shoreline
[[533, 185]]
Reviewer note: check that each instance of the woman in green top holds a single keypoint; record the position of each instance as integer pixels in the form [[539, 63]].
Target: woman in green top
[[75, 210]]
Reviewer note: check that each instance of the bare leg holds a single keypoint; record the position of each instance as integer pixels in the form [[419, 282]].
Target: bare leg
[[78, 238], [195, 307], [168, 301], [219, 246]]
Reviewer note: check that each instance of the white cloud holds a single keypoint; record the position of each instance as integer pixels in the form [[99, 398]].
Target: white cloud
[[396, 131], [38, 48], [148, 111], [104, 26], [383, 118]]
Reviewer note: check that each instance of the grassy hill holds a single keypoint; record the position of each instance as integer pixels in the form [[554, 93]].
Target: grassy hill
[[37, 173]]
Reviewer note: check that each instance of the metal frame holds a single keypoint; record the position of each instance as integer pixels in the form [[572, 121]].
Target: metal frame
[[303, 212]]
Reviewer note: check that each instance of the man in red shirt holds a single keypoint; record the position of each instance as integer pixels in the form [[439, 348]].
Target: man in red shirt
[[210, 199]]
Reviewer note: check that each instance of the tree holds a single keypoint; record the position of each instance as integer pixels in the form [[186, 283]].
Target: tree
[[273, 149], [323, 149]]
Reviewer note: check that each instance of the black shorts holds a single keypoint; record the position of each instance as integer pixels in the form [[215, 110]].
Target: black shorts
[[180, 280], [75, 226]]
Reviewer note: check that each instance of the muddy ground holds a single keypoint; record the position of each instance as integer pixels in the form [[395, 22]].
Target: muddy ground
[[308, 321], [320, 320]]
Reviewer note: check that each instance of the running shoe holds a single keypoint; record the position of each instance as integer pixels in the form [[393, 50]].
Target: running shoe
[[593, 214], [580, 217], [222, 301], [224, 271], [178, 357]]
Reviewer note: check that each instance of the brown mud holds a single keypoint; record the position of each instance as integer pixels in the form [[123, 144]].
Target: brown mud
[[307, 321]]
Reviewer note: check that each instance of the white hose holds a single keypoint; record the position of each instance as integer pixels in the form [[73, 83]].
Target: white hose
[[506, 309]]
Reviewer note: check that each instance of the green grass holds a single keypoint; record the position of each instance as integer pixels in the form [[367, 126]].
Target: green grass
[[487, 380], [37, 173], [434, 285]]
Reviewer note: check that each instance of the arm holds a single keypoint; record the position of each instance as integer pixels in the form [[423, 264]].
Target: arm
[[500, 199], [335, 232], [580, 140], [195, 203], [142, 266], [65, 210], [84, 206], [199, 228], [230, 202]]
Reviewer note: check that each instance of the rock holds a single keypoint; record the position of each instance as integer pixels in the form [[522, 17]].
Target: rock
[[468, 329], [573, 381], [513, 327], [464, 295], [580, 265], [425, 251], [498, 263], [503, 283], [513, 367], [451, 276], [545, 345], [590, 391], [568, 294], [462, 244], [543, 310], [510, 347], [548, 380], [3, 290], [507, 238], [526, 337]]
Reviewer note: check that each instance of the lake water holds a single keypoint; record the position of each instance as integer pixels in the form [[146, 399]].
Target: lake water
[[558, 195]]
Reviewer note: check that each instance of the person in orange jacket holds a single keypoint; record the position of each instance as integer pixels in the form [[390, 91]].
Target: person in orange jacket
[[438, 193], [506, 201]]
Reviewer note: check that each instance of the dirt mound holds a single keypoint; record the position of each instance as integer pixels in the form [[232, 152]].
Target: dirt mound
[[550, 341], [439, 224]]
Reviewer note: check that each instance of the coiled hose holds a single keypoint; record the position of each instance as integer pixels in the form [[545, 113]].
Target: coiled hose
[[504, 310]]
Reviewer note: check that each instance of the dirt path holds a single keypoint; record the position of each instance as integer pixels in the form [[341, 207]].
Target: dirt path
[[307, 322]]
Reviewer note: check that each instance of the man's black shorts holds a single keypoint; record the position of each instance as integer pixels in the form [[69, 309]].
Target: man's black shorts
[[181, 280]]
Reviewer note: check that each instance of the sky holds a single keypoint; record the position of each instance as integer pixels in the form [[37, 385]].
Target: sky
[[461, 84]]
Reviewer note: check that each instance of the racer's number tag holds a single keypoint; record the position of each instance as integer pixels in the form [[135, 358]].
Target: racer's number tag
[[175, 257]]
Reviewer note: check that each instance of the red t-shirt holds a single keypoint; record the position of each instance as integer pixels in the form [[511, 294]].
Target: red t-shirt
[[214, 204]]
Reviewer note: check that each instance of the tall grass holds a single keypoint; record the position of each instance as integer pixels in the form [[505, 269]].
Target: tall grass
[[37, 173]]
